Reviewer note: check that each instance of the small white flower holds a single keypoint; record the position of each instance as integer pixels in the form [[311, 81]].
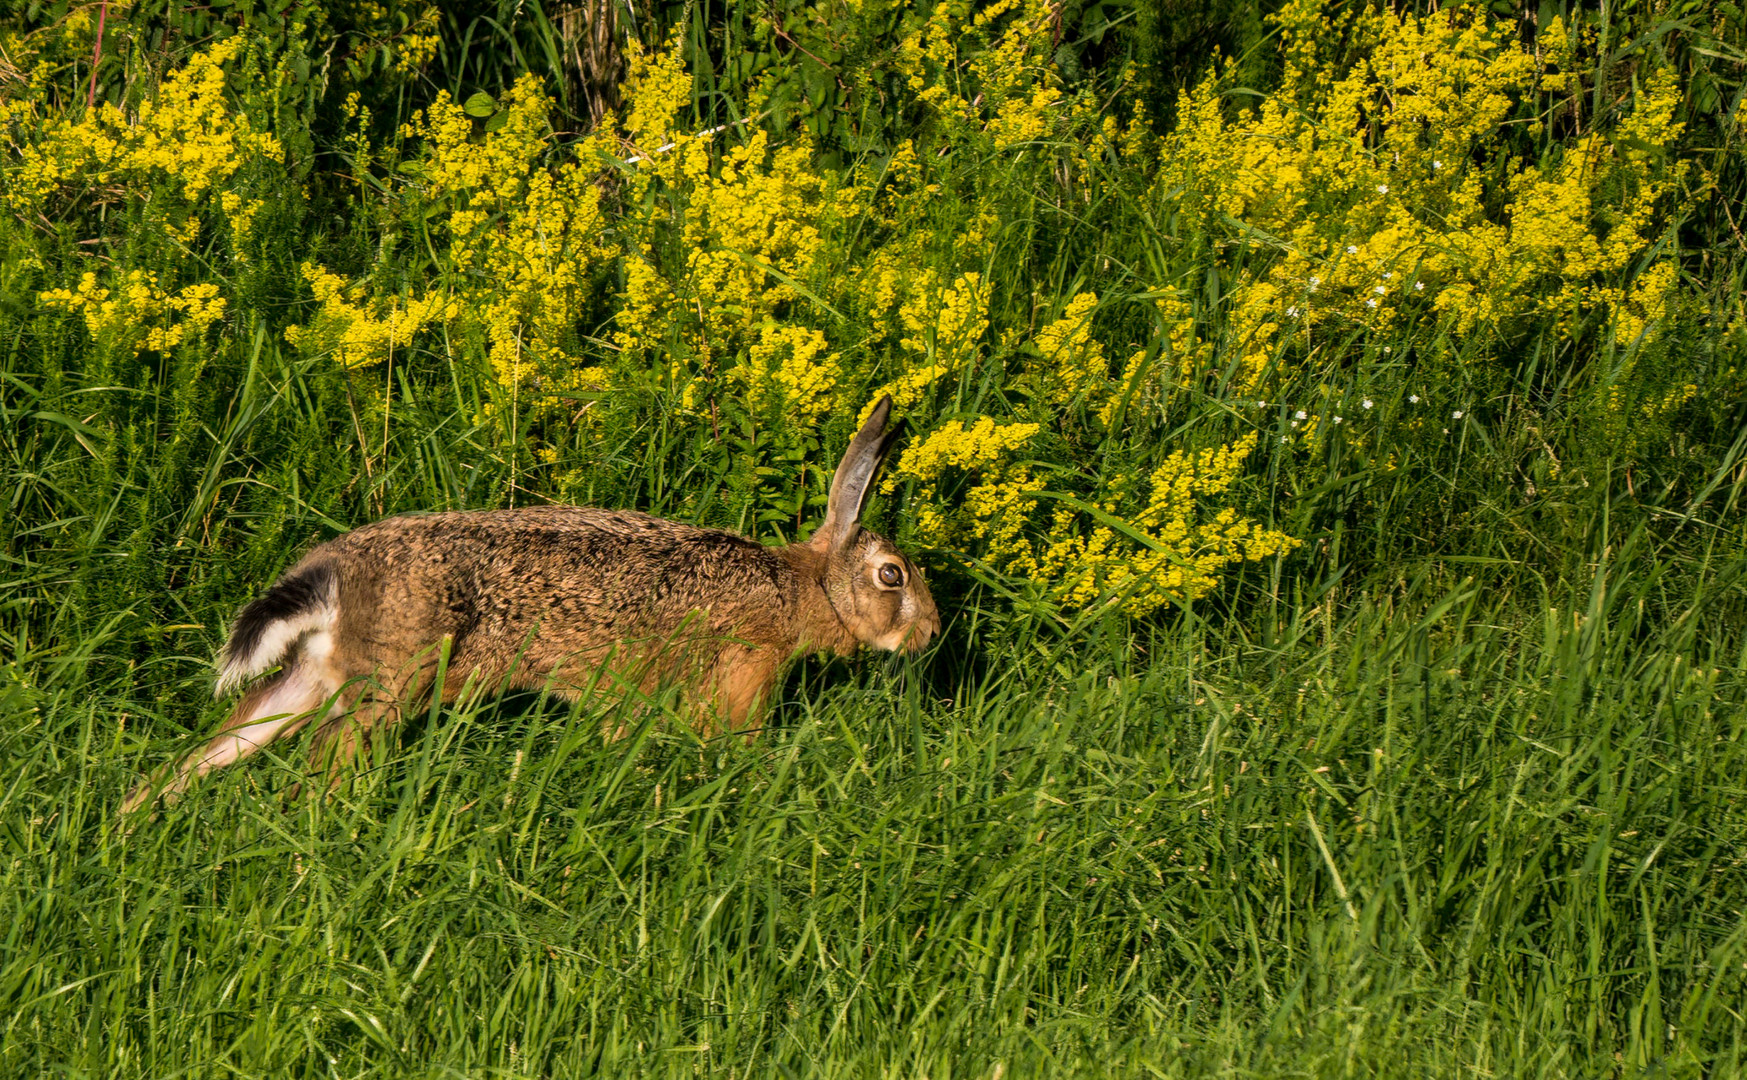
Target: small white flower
[[1261, 404], [1419, 286], [1446, 431], [1299, 414], [1372, 302], [1382, 189], [1366, 404], [1457, 415], [1380, 290], [1437, 164], [1294, 425], [1388, 275], [1352, 250], [1292, 313], [1337, 419], [1283, 440], [1315, 281], [1413, 399], [1387, 349]]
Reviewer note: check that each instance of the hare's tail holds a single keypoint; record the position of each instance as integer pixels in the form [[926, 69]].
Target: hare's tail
[[300, 608], [293, 624]]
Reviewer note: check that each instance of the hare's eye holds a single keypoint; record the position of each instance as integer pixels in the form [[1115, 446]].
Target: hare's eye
[[891, 575]]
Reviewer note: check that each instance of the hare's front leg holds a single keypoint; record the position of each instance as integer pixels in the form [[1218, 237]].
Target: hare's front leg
[[738, 688]]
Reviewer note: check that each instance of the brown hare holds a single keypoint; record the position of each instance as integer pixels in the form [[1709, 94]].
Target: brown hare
[[554, 596]]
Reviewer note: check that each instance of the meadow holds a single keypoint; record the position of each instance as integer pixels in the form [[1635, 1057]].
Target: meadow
[[1327, 444]]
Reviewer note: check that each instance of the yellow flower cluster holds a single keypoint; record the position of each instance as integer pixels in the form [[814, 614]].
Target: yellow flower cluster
[[994, 504], [525, 241], [751, 231], [183, 153], [415, 48], [413, 52], [730, 243], [355, 336], [139, 314], [1369, 186], [944, 327], [1072, 361], [30, 59], [659, 90], [792, 367], [1170, 548], [991, 70], [187, 139], [1187, 355]]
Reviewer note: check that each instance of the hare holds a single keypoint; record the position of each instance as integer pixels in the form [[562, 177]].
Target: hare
[[561, 597]]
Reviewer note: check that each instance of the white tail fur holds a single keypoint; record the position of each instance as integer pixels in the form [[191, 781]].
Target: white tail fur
[[301, 608], [278, 640]]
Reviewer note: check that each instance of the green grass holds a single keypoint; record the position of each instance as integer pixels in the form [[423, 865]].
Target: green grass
[[1413, 836]]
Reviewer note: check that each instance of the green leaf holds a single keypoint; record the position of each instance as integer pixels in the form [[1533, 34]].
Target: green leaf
[[480, 105]]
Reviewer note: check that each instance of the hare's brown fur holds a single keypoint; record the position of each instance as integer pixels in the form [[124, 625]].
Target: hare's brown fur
[[559, 597]]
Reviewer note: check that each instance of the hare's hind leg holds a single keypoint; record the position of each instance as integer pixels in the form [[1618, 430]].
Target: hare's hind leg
[[347, 732], [343, 737], [273, 710]]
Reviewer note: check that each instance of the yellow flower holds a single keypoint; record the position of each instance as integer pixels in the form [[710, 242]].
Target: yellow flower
[[792, 364], [1360, 182], [139, 314], [1072, 362], [358, 333], [185, 137]]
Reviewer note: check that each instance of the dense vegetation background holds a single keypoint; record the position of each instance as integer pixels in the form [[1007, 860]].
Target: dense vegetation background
[[1326, 444]]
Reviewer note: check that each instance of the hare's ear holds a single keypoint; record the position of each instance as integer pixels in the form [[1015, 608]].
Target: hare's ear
[[854, 476]]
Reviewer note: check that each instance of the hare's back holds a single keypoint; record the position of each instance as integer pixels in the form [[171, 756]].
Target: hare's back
[[501, 570], [409, 532]]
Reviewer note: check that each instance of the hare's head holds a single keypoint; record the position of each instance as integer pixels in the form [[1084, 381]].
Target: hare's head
[[875, 589]]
